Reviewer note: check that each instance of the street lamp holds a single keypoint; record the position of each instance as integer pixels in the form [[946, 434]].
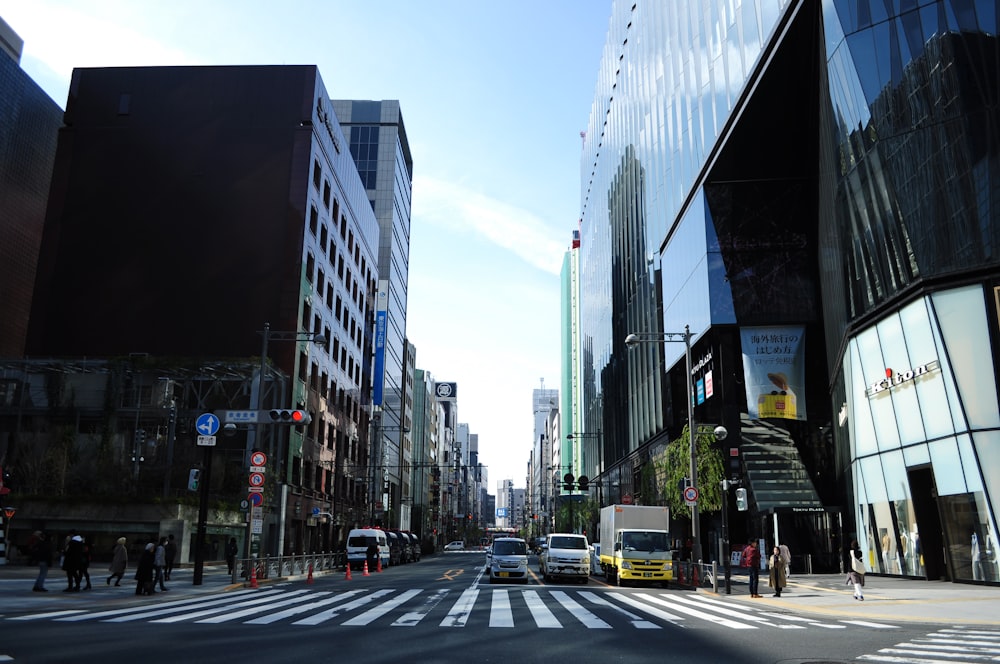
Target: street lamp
[[684, 337]]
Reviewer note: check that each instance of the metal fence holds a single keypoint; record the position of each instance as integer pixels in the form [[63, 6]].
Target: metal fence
[[276, 567]]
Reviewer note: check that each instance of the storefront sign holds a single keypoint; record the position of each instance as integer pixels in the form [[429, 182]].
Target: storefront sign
[[894, 379]]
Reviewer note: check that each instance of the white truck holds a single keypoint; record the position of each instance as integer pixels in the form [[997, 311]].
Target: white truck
[[565, 555], [635, 544]]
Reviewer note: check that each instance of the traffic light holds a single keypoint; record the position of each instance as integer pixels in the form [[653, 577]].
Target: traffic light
[[568, 481], [296, 417], [741, 500], [193, 475], [584, 482], [140, 436]]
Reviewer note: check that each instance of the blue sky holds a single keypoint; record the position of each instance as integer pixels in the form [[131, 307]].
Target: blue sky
[[494, 96]]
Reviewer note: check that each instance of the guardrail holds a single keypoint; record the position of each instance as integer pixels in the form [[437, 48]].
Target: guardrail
[[275, 567], [696, 575]]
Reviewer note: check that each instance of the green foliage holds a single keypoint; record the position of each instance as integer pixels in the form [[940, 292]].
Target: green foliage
[[674, 464]]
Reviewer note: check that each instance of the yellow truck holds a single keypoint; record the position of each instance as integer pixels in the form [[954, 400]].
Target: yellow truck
[[635, 545]]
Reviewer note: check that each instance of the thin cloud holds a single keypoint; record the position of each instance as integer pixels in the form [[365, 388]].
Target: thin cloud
[[453, 207]]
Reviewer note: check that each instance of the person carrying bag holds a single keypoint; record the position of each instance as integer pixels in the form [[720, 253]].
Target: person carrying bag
[[857, 574]]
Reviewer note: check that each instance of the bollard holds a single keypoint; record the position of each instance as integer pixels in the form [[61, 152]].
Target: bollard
[[310, 578]]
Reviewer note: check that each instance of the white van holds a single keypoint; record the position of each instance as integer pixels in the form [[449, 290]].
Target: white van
[[358, 541]]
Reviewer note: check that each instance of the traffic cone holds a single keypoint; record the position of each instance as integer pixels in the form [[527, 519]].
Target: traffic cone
[[310, 578], [694, 575], [365, 573], [253, 574], [680, 574], [378, 564], [347, 577]]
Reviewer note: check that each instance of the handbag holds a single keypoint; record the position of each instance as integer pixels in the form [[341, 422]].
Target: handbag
[[857, 564]]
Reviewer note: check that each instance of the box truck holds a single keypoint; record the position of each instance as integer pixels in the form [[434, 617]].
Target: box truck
[[635, 544]]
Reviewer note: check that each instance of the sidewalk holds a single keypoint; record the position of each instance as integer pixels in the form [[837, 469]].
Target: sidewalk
[[16, 582], [886, 599]]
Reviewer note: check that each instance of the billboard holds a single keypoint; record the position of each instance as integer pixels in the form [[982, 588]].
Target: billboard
[[774, 370]]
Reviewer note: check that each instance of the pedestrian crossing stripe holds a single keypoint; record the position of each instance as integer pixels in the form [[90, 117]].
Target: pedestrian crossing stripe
[[945, 645], [501, 608]]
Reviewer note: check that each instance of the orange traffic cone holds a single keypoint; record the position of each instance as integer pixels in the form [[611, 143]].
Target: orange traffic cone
[[310, 578], [680, 574], [365, 573], [694, 575], [347, 577], [253, 575], [378, 564]]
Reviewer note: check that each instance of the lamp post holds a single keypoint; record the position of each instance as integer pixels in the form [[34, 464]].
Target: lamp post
[[685, 337]]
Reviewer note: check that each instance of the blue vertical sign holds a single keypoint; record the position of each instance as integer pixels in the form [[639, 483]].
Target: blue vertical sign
[[380, 323]]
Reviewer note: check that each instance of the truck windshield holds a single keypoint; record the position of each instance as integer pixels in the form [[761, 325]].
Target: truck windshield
[[639, 541]]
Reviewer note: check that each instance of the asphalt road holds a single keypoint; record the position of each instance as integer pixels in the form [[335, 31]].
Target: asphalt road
[[442, 609]]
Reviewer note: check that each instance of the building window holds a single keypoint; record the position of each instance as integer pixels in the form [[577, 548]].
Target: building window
[[317, 174]]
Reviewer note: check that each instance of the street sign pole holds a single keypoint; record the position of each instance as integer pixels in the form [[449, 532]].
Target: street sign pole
[[207, 425]]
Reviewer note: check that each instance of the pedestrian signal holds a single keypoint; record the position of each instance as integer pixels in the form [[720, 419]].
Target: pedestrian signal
[[741, 500], [193, 477]]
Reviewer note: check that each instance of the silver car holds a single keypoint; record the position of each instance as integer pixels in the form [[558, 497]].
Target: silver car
[[508, 560]]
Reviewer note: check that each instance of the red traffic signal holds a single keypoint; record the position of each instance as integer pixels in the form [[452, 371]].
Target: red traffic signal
[[290, 416]]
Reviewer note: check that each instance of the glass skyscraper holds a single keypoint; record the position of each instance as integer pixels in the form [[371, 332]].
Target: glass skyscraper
[[811, 189]]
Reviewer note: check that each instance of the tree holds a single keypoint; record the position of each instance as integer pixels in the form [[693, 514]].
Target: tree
[[674, 464]]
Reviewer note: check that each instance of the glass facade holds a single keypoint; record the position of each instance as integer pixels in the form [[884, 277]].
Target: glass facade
[[830, 166], [921, 418]]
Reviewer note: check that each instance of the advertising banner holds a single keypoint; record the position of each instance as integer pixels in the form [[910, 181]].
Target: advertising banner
[[774, 369]]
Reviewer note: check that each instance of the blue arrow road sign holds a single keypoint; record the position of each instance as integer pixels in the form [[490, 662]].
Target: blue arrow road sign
[[207, 424]]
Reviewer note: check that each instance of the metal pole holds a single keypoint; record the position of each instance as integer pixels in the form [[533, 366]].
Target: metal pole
[[258, 436], [695, 525], [725, 537]]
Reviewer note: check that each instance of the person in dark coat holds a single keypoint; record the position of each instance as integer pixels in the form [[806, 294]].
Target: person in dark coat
[[170, 550], [84, 572], [231, 550], [119, 562], [41, 551], [72, 562], [144, 571]]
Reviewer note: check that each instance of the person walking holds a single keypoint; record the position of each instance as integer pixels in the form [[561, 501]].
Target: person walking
[[231, 550], [84, 572], [160, 563], [41, 551], [786, 555], [119, 561], [72, 559], [752, 557], [856, 575], [777, 578], [171, 554], [144, 571]]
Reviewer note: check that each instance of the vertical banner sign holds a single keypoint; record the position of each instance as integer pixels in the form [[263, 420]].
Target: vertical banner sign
[[774, 369], [381, 321]]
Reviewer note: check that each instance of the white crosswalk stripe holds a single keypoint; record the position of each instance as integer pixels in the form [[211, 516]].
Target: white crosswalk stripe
[[542, 607], [955, 644]]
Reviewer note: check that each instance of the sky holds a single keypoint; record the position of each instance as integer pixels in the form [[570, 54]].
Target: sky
[[494, 96]]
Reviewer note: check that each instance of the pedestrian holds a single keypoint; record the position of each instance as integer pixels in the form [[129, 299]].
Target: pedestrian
[[751, 558], [85, 562], [777, 571], [231, 550], [40, 549], [144, 571], [372, 554], [72, 559], [160, 563], [786, 555], [119, 561], [171, 553], [857, 573]]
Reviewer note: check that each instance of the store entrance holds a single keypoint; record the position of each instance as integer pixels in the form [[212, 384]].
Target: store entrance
[[928, 517]]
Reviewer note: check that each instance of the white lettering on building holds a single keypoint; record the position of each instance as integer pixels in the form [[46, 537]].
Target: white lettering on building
[[895, 379]]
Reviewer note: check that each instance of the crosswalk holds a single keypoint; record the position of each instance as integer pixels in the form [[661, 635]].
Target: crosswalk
[[499, 608], [953, 644]]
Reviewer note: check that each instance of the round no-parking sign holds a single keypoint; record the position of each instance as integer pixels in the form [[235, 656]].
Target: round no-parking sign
[[256, 499]]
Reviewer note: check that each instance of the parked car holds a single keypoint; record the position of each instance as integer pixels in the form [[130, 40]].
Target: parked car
[[395, 548], [454, 546], [508, 560]]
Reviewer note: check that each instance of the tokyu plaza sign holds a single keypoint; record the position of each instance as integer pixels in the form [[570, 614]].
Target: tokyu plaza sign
[[894, 379]]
